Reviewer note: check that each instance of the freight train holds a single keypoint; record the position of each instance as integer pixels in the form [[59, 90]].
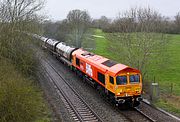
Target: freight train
[[121, 84]]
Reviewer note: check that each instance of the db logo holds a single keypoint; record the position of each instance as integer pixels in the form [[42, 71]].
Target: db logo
[[89, 69]]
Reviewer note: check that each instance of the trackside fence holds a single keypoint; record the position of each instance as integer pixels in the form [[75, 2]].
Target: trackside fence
[[155, 90]]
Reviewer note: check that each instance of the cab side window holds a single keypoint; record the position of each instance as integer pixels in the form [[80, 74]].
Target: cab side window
[[111, 79], [101, 77], [77, 61]]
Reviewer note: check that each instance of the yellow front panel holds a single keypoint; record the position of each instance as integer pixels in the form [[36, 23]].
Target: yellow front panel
[[129, 89]]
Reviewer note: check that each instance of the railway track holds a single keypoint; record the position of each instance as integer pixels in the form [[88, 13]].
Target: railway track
[[157, 114], [76, 106], [135, 115], [128, 117], [144, 114]]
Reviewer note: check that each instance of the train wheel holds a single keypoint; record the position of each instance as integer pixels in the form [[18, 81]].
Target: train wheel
[[111, 98], [136, 103], [84, 78], [95, 85], [124, 106], [101, 91]]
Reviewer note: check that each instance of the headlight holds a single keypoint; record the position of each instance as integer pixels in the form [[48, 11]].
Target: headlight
[[119, 91], [137, 90]]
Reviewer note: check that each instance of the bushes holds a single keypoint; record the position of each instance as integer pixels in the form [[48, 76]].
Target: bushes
[[19, 100], [16, 47]]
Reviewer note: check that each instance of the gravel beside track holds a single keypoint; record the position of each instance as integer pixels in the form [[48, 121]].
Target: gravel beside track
[[155, 113], [59, 112]]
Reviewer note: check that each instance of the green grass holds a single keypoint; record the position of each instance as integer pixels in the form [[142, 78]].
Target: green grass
[[166, 75], [170, 73], [168, 106], [102, 45]]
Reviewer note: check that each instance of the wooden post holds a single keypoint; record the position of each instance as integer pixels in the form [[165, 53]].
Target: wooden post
[[155, 90]]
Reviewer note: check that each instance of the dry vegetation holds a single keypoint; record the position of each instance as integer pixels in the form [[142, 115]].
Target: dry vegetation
[[20, 99]]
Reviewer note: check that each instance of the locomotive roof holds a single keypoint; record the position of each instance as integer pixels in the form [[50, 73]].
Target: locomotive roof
[[105, 64]]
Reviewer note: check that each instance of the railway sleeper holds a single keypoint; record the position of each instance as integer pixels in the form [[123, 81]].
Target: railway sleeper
[[89, 119]]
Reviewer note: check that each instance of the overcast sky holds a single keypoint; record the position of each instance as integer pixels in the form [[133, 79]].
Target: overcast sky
[[58, 9]]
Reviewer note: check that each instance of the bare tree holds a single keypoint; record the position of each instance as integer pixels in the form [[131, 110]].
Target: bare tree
[[63, 31], [50, 28], [139, 20], [177, 22], [18, 10], [102, 23], [15, 16], [137, 44], [78, 22], [14, 12]]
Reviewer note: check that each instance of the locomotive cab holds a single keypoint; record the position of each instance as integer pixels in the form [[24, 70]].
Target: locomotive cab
[[128, 87]]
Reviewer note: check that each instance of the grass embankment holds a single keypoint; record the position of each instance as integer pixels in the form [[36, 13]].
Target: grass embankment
[[165, 76], [20, 99], [171, 72], [102, 45], [168, 77]]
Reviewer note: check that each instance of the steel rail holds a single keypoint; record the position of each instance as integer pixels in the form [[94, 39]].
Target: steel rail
[[81, 111], [116, 108], [145, 115]]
